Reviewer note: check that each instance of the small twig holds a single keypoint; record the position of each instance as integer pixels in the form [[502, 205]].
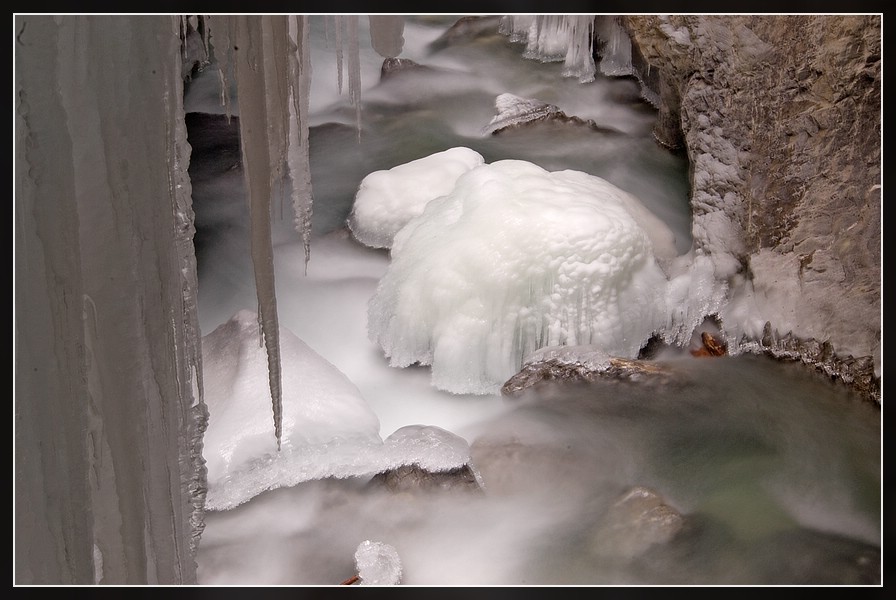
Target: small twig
[[351, 580]]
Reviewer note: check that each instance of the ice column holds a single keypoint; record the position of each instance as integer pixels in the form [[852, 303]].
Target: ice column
[[109, 479], [299, 150]]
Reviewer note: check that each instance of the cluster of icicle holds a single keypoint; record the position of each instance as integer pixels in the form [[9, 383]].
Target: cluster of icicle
[[269, 57], [571, 38], [555, 38]]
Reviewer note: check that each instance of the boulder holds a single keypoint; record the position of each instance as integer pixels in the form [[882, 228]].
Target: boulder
[[637, 520]]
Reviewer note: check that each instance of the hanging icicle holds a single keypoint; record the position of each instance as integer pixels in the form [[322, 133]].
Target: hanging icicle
[[338, 29], [354, 69], [269, 57], [555, 38], [299, 150], [263, 108], [386, 34], [222, 36]]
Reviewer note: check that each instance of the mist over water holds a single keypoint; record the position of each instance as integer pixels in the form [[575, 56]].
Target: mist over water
[[772, 487]]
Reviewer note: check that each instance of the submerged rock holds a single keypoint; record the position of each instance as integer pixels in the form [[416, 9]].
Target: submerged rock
[[639, 519]]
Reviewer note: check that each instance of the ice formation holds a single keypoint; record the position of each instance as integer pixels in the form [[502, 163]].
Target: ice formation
[[109, 481], [386, 34], [329, 429], [386, 200], [516, 258], [514, 110], [269, 57], [256, 47], [616, 54], [555, 38], [298, 153], [327, 425], [377, 563], [429, 447], [345, 31]]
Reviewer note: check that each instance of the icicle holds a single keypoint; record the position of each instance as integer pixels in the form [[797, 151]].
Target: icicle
[[579, 60], [298, 156], [222, 41], [617, 54], [195, 418], [252, 87], [386, 34], [346, 26], [555, 38], [338, 26], [354, 73], [276, 59], [183, 29], [516, 27], [203, 31]]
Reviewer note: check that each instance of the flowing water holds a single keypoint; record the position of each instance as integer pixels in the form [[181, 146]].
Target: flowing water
[[771, 471]]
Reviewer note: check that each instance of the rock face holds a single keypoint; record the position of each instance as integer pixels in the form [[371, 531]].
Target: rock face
[[781, 119]]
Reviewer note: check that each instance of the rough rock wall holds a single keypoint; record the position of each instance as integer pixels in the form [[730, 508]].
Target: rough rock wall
[[781, 116]]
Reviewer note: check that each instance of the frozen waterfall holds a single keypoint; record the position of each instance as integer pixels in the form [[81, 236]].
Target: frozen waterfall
[[109, 414]]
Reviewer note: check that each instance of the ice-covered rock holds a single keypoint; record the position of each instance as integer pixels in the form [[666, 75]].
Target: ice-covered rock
[[426, 458], [328, 428], [386, 200], [377, 563], [581, 363], [513, 259], [329, 431]]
